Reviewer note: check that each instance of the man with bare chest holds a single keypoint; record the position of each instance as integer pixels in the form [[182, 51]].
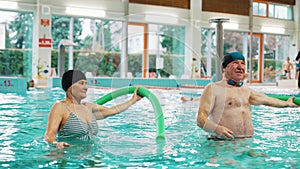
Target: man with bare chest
[[224, 109]]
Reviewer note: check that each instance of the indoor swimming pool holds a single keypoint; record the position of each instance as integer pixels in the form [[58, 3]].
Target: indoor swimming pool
[[128, 140]]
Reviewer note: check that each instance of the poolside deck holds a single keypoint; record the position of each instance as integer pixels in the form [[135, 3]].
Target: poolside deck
[[288, 83]]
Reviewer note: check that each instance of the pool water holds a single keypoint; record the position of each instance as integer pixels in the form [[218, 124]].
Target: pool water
[[127, 140]]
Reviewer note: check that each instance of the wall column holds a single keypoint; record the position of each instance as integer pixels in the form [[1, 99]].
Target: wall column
[[124, 54], [42, 44], [297, 29], [193, 38]]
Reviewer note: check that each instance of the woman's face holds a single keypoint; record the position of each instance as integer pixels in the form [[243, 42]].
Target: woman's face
[[79, 89]]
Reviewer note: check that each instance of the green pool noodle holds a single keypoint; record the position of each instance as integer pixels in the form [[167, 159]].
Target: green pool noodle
[[159, 116], [285, 98]]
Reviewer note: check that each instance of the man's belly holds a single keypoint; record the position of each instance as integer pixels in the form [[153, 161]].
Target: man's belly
[[240, 124], [240, 128]]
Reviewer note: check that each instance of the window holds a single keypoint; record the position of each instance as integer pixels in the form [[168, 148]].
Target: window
[[280, 12], [272, 10], [98, 43], [171, 49], [276, 49], [16, 29], [260, 9]]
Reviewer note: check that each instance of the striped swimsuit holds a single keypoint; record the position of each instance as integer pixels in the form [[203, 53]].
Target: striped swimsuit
[[78, 129]]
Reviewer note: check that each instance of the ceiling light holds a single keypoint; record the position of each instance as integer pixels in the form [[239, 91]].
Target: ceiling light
[[161, 18], [9, 5], [85, 12], [227, 25], [269, 29]]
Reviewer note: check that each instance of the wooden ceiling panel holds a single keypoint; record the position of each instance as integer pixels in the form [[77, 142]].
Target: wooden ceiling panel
[[238, 7], [185, 4]]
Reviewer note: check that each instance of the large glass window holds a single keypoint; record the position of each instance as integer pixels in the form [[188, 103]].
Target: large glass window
[[276, 50], [165, 50], [233, 41], [98, 43], [136, 53], [101, 42], [167, 46], [255, 60], [16, 52], [209, 52]]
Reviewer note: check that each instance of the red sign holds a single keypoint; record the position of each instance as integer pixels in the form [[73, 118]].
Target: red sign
[[45, 22], [45, 42]]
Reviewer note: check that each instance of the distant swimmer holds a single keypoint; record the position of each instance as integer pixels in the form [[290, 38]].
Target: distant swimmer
[[185, 99], [30, 84]]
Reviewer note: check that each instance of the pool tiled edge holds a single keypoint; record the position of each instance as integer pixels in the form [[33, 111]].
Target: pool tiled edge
[[122, 82], [18, 85], [12, 84]]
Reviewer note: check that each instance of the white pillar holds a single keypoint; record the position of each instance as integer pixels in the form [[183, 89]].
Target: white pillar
[[297, 27], [245, 47], [209, 54], [220, 44], [70, 63], [193, 38], [220, 49], [124, 55], [42, 44], [145, 67]]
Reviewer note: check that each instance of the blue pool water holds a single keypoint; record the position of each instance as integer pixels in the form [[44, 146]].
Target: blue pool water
[[127, 140]]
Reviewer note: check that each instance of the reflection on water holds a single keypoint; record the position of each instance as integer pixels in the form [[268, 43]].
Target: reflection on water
[[128, 140]]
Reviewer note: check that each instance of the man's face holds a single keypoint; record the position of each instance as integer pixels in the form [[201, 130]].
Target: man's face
[[235, 70]]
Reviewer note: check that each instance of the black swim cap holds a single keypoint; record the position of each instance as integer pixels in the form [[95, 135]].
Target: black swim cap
[[231, 57], [70, 77]]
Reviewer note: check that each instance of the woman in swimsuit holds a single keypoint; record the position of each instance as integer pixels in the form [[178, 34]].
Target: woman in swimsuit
[[71, 118]]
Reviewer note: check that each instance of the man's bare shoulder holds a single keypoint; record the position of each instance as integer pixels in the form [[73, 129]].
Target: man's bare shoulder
[[210, 86], [246, 87], [220, 83]]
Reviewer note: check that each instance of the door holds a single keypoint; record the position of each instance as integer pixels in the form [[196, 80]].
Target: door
[[137, 48]]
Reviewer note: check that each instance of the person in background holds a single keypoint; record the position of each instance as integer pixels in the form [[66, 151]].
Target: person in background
[[73, 119], [224, 109], [152, 73], [287, 67], [185, 99], [30, 84]]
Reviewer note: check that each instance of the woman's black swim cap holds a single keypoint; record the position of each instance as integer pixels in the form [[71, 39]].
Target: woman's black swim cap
[[70, 77]]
